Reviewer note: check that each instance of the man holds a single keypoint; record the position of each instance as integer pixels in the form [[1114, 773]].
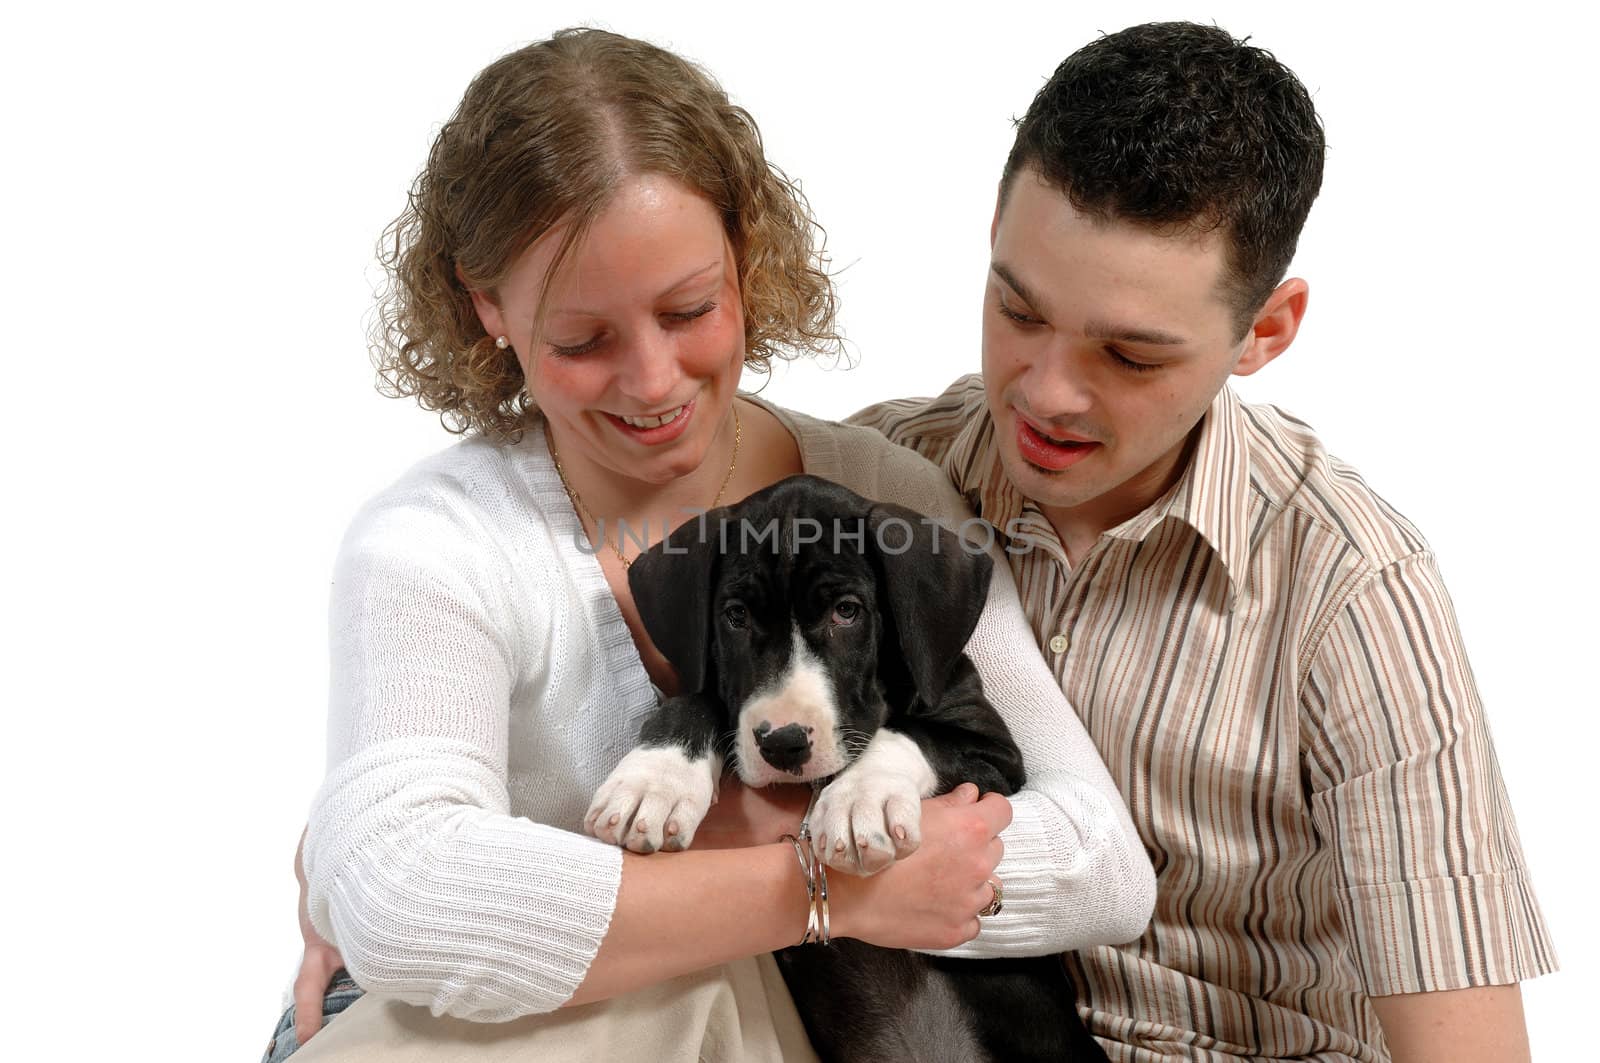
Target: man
[[1260, 646]]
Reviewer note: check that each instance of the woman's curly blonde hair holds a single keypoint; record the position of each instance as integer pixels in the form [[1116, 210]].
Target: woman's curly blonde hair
[[544, 135]]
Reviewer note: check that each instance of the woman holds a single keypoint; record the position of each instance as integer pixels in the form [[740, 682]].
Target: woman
[[593, 253]]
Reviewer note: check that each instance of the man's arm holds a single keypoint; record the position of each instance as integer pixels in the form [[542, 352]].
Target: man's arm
[[1480, 1025], [1403, 780]]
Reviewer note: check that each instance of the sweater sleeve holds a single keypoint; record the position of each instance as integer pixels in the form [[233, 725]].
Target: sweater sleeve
[[1075, 871], [433, 892]]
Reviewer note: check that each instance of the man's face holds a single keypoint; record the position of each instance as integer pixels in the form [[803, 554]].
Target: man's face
[[1103, 345]]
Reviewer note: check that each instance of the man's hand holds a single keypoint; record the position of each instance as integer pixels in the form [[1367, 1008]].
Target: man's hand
[[317, 967]]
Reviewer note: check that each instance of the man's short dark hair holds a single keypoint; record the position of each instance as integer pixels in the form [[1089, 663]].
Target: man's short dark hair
[[1176, 125]]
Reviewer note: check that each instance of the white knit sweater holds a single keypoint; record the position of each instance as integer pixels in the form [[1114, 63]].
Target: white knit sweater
[[484, 684]]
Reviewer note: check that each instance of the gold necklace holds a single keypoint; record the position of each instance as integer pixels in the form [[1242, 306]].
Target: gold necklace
[[577, 502]]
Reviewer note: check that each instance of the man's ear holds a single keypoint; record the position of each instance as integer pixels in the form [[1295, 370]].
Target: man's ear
[[488, 312], [1275, 326]]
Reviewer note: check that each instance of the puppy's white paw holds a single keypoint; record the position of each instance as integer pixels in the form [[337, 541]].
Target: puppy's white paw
[[871, 815], [864, 821], [654, 799]]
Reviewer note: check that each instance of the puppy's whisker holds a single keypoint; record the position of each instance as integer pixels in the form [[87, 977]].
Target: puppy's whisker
[[854, 741]]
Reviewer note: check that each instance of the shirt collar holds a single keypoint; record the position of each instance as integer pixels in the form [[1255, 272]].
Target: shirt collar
[[975, 460], [1212, 496]]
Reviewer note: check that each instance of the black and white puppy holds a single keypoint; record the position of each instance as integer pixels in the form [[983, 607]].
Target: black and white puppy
[[819, 636]]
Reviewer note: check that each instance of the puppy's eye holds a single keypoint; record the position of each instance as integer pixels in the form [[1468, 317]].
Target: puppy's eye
[[736, 616], [845, 612]]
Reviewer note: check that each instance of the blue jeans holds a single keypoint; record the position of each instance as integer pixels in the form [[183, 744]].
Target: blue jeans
[[342, 992]]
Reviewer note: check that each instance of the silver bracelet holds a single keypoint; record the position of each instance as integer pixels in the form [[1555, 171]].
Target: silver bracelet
[[817, 923], [820, 873], [807, 861]]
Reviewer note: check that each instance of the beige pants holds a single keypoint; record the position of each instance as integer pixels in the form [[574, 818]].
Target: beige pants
[[739, 1013]]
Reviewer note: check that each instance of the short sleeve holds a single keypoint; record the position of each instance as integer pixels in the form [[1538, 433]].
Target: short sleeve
[[1407, 794]]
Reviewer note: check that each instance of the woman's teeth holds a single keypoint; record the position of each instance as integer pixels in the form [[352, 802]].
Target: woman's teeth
[[653, 422]]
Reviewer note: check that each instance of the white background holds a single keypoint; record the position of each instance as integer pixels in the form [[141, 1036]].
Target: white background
[[191, 202]]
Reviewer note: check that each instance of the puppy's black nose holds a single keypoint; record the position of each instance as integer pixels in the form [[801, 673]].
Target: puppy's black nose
[[787, 748]]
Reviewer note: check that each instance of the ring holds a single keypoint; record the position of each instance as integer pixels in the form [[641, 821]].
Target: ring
[[994, 906]]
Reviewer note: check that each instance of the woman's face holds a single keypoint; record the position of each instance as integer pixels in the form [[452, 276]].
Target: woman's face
[[642, 344]]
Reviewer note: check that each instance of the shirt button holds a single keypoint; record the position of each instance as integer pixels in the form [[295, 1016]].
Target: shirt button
[[1058, 644]]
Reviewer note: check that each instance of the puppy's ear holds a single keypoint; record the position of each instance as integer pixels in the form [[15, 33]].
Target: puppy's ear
[[936, 585], [672, 587]]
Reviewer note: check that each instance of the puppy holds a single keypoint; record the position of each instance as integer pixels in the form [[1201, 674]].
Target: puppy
[[818, 636]]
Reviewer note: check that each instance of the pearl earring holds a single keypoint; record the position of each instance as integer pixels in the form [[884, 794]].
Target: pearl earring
[[501, 342]]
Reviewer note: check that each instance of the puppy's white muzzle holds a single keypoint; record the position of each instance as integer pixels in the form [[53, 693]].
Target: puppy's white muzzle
[[790, 731]]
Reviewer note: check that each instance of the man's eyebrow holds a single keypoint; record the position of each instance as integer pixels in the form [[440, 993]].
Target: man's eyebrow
[[1001, 270], [1098, 330], [1101, 330]]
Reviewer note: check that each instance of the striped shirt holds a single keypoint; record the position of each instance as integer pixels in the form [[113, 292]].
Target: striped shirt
[[1269, 663]]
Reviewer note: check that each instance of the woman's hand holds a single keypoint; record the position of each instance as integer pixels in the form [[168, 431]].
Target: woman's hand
[[317, 967], [930, 899]]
